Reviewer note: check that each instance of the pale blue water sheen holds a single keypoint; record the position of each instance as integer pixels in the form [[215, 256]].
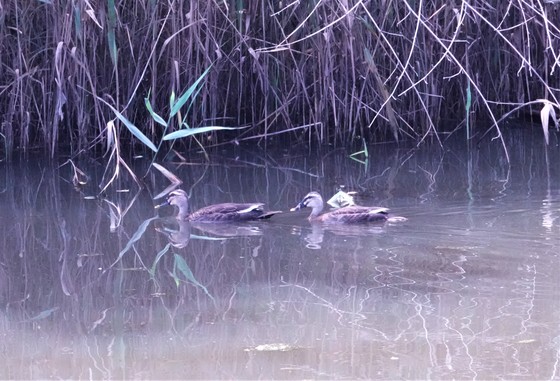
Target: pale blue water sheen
[[467, 288]]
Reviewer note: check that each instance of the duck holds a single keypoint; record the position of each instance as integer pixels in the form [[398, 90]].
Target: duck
[[226, 212], [347, 214]]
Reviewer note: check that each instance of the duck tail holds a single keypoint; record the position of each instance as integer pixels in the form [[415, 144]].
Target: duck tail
[[267, 215]]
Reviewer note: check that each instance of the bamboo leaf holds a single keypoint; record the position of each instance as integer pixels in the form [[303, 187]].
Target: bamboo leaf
[[170, 176], [183, 98], [362, 152], [352, 155], [133, 129], [368, 56], [77, 21], [172, 99], [175, 277], [184, 268], [42, 315], [155, 117], [193, 97], [358, 160], [158, 257], [137, 235], [193, 131], [112, 24]]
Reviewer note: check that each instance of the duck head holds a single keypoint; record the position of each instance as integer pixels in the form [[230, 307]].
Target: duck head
[[312, 200], [179, 199]]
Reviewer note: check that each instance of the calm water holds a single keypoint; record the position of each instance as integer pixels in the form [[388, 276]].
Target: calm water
[[467, 288]]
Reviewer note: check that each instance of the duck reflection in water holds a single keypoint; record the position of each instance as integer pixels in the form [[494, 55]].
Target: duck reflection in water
[[228, 230], [179, 232], [319, 232]]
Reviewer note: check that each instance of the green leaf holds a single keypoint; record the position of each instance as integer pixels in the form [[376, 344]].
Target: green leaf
[[137, 235], [368, 55], [193, 131], [184, 268], [175, 277], [158, 257], [112, 24], [77, 21], [155, 116], [133, 129], [183, 98], [362, 152], [112, 46], [194, 97], [357, 153], [43, 314], [172, 98], [358, 160]]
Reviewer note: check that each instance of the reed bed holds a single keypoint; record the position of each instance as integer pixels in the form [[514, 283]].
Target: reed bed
[[324, 71]]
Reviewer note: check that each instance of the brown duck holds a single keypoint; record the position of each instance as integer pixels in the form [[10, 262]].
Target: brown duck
[[346, 215], [227, 212]]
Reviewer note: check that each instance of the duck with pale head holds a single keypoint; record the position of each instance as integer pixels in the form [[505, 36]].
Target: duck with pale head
[[346, 215]]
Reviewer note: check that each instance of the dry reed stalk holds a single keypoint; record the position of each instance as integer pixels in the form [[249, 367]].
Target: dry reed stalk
[[276, 66]]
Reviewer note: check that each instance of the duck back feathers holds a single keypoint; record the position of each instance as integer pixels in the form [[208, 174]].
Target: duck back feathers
[[229, 212], [354, 214]]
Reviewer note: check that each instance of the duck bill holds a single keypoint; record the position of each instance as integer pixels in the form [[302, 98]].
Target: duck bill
[[162, 204], [297, 207]]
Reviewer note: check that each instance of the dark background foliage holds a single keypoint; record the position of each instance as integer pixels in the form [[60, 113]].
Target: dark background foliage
[[328, 71]]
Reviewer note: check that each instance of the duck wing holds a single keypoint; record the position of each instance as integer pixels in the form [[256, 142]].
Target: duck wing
[[355, 213], [228, 212], [269, 214]]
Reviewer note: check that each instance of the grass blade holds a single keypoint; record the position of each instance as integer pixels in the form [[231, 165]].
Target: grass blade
[[152, 271], [112, 24], [42, 315], [133, 129], [362, 152], [193, 131], [155, 117], [167, 173], [184, 268], [137, 235], [186, 95]]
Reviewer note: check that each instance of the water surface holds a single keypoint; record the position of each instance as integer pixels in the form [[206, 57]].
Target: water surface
[[466, 288]]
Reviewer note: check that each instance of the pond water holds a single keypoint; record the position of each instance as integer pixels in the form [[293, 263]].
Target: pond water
[[466, 288]]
